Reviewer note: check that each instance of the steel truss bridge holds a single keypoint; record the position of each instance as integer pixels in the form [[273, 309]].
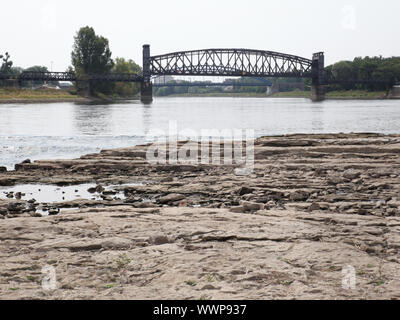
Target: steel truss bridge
[[211, 84], [230, 62], [210, 62]]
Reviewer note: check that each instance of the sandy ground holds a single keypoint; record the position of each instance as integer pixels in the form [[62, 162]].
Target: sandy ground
[[315, 206]]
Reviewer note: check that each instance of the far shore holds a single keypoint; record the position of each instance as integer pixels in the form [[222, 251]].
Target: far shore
[[23, 96], [333, 95], [54, 96], [46, 100]]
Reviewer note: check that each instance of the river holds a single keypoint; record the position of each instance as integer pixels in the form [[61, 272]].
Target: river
[[68, 130]]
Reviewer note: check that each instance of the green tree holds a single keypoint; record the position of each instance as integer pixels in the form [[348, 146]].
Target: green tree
[[6, 64], [16, 70], [368, 68], [125, 89], [343, 70], [92, 55]]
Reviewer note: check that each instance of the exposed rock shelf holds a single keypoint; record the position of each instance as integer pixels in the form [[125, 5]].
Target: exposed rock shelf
[[313, 205]]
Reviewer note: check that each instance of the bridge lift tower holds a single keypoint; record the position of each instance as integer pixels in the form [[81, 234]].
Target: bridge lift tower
[[317, 70], [146, 85]]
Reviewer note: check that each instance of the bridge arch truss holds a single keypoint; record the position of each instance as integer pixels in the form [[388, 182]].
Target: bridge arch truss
[[231, 62]]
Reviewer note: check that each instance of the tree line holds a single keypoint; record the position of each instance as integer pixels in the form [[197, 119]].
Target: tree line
[[91, 54], [386, 70], [368, 68]]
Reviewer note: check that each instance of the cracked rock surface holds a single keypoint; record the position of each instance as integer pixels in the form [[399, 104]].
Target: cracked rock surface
[[193, 253], [314, 205]]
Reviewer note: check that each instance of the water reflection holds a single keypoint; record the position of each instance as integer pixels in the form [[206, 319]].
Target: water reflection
[[147, 118], [317, 119], [90, 119], [67, 130]]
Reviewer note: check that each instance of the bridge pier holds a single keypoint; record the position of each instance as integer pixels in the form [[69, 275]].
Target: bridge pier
[[395, 92], [146, 87], [146, 92], [317, 88], [317, 93], [83, 88]]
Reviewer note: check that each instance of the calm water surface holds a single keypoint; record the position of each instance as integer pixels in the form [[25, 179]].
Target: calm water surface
[[67, 130]]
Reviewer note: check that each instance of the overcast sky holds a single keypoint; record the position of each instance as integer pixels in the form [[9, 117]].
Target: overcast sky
[[41, 31]]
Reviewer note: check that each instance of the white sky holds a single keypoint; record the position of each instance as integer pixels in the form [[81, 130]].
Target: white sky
[[37, 32]]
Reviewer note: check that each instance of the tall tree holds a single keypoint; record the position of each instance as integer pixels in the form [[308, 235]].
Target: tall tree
[[6, 64], [126, 66], [92, 55]]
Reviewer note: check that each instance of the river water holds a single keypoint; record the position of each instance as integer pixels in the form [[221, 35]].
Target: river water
[[68, 130]]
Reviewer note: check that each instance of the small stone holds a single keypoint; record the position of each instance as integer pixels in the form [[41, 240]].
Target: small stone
[[107, 198], [171, 198], [54, 211], [245, 190], [98, 189], [393, 204], [144, 205], [270, 204], [334, 180], [159, 240], [391, 212], [3, 169], [110, 193], [35, 215], [252, 206], [315, 206], [299, 196], [351, 174], [167, 179], [133, 200], [15, 207], [239, 209], [183, 204]]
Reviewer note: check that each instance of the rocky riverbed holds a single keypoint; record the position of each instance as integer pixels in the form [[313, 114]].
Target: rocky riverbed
[[315, 204]]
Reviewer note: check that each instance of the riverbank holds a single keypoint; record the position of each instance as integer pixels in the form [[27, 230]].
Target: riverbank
[[315, 204], [51, 96], [215, 95], [333, 95], [337, 95], [12, 95]]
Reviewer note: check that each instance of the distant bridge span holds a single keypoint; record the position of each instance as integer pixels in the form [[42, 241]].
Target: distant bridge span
[[207, 62], [231, 63]]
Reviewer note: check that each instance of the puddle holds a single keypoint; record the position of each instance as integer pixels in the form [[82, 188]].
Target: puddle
[[62, 210], [55, 194]]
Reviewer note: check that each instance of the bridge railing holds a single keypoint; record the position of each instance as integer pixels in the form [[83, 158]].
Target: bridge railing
[[47, 76], [70, 76]]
